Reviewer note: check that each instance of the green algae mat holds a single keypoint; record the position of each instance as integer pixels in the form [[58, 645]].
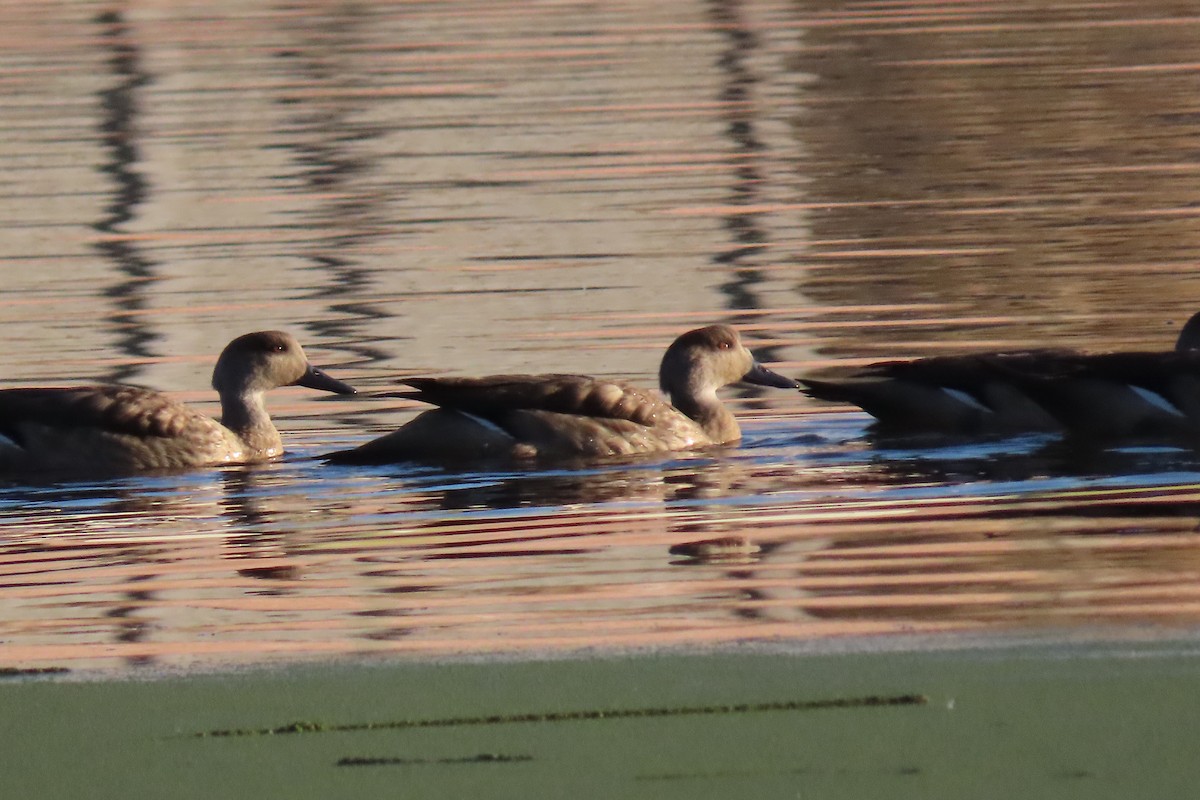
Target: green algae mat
[[1090, 721]]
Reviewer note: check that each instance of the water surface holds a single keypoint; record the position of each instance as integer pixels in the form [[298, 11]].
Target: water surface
[[477, 187]]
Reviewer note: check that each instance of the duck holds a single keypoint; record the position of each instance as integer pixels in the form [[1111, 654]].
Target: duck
[[526, 417], [116, 428], [1101, 395]]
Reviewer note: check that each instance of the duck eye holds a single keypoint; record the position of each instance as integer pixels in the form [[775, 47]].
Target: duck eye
[[725, 344], [279, 348]]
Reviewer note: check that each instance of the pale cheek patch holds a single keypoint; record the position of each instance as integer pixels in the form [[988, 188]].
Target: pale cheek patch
[[1157, 400], [966, 399]]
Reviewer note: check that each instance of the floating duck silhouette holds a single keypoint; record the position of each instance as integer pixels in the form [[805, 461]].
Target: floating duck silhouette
[[1123, 394]]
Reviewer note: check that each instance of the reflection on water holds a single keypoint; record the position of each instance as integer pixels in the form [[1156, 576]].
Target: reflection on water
[[483, 187], [1024, 161], [300, 560]]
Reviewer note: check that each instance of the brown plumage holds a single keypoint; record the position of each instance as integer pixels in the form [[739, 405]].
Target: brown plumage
[[563, 394], [526, 416], [118, 429]]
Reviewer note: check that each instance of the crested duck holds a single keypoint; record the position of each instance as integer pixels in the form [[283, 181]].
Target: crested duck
[[527, 416], [123, 429]]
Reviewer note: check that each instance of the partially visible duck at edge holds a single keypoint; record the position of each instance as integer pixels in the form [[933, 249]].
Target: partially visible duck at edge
[[1104, 395], [117, 429], [531, 416]]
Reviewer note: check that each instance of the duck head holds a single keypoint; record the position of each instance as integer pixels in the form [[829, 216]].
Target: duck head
[[701, 361], [260, 361]]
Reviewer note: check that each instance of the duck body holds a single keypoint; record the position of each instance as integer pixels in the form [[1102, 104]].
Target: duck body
[[106, 429], [558, 416], [1105, 395], [529, 416], [1152, 395], [109, 429], [945, 394]]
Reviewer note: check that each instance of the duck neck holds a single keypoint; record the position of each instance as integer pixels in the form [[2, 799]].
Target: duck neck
[[245, 415], [710, 414]]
